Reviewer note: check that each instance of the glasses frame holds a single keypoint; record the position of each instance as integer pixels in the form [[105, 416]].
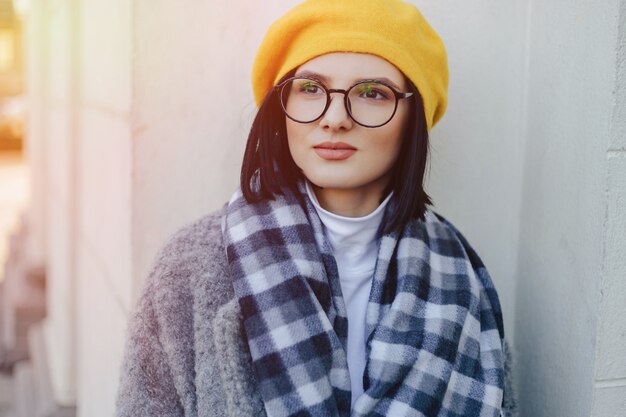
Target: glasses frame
[[397, 94]]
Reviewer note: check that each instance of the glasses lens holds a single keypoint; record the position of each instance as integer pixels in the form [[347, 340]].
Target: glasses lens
[[303, 100], [371, 103]]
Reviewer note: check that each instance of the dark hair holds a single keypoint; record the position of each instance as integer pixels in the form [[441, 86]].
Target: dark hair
[[268, 165]]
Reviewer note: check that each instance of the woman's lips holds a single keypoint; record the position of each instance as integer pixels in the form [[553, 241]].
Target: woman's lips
[[334, 151]]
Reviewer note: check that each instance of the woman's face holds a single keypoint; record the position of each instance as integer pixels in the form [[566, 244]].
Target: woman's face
[[366, 167]]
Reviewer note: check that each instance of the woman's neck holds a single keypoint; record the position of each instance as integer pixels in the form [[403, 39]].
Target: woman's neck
[[350, 202]]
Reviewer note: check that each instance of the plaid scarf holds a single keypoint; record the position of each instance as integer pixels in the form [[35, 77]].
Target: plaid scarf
[[433, 323]]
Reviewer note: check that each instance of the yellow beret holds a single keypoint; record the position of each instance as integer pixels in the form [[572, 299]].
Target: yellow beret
[[391, 29]]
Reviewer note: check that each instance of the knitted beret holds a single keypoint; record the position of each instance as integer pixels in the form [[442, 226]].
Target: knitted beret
[[391, 29]]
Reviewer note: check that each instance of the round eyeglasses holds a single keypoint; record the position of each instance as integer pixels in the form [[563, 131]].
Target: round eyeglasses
[[370, 103]]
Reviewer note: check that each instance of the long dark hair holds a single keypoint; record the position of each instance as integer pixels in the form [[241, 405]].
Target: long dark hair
[[268, 165]]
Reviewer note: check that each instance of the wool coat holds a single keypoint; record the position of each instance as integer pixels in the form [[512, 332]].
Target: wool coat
[[186, 352]]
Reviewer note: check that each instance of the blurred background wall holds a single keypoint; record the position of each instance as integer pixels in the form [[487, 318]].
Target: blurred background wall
[[138, 116]]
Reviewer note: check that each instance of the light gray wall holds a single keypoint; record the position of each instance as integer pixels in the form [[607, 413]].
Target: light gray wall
[[529, 162], [60, 175], [104, 245], [520, 72], [572, 85], [610, 373]]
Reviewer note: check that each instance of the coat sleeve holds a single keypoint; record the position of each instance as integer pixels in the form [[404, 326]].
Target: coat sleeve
[[146, 387], [509, 404]]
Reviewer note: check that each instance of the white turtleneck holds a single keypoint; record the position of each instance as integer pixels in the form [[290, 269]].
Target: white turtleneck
[[355, 248]]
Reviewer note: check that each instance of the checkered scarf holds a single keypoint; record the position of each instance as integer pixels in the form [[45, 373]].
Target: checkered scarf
[[433, 323]]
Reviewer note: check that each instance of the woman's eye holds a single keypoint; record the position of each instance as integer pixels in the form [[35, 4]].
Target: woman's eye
[[310, 88], [373, 92]]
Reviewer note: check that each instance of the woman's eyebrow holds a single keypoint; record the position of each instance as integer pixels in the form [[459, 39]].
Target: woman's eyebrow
[[325, 79], [314, 75]]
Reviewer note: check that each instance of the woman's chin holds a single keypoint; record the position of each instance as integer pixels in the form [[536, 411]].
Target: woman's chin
[[340, 182], [344, 183]]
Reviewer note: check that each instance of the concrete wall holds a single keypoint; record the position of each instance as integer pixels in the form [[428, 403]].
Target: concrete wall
[[35, 89], [570, 205], [149, 129], [104, 216], [79, 142], [51, 220], [60, 175], [609, 395]]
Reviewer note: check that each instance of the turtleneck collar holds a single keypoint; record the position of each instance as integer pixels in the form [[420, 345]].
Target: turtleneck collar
[[351, 238]]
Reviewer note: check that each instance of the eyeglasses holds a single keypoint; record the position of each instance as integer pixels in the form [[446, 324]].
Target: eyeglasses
[[370, 103]]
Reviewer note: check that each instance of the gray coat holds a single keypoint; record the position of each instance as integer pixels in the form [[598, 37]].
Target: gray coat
[[186, 353]]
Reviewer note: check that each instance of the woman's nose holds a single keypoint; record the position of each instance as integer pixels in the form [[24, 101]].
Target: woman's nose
[[336, 116]]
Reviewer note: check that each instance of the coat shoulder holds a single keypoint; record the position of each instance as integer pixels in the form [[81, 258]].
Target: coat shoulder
[[193, 253]]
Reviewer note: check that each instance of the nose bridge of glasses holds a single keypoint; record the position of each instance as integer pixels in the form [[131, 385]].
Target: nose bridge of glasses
[[343, 106], [336, 90], [345, 102]]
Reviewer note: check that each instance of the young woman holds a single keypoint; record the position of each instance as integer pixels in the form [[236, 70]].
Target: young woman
[[326, 286]]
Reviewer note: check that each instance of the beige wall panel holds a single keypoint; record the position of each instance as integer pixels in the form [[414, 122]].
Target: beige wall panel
[[105, 50], [60, 196], [105, 184], [35, 146], [60, 320], [60, 288], [59, 56], [105, 200], [101, 333]]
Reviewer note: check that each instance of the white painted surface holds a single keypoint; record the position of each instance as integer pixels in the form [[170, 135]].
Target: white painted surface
[[36, 69], [528, 162], [618, 110], [610, 352], [519, 73], [609, 402], [610, 376], [612, 327], [58, 172], [100, 344], [571, 91], [104, 188], [106, 42]]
